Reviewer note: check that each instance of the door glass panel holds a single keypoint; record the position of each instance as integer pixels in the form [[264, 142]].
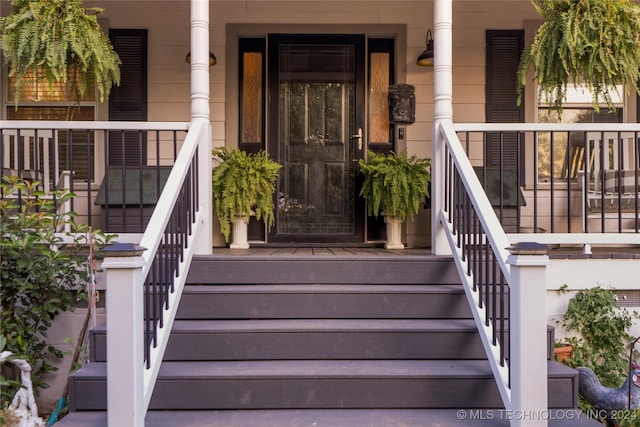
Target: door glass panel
[[252, 85], [316, 120], [378, 98]]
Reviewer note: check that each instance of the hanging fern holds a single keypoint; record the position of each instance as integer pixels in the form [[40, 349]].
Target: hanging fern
[[243, 183], [595, 43], [60, 41], [394, 184]]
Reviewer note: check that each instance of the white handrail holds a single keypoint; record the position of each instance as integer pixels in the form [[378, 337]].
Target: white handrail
[[523, 267], [478, 197], [500, 372], [92, 125], [547, 127], [130, 383], [151, 240], [498, 241]]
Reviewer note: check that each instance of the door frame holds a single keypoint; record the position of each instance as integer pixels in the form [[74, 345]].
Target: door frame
[[234, 32]]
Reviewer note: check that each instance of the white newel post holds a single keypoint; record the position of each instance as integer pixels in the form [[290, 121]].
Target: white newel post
[[442, 112], [528, 348], [125, 352], [200, 110]]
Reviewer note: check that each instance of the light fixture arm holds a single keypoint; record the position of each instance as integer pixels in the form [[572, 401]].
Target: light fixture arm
[[426, 58]]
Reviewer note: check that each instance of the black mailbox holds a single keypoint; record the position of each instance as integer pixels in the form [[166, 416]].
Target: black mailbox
[[402, 104]]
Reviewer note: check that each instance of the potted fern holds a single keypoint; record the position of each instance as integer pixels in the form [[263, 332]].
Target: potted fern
[[393, 186], [58, 41], [243, 185], [592, 43]]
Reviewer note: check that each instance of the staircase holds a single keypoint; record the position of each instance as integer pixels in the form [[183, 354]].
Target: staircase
[[320, 338]]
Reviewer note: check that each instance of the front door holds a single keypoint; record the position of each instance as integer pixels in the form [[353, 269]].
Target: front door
[[316, 115]]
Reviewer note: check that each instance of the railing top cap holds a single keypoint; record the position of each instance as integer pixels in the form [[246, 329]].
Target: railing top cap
[[528, 248], [123, 250]]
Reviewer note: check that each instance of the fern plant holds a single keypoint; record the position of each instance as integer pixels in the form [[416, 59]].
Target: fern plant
[[243, 184], [59, 41], [594, 43], [394, 184]]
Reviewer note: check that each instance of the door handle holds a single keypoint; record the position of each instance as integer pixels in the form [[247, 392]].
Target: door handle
[[358, 136]]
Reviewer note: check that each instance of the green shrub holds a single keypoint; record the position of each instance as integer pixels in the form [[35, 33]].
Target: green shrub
[[600, 334], [40, 276]]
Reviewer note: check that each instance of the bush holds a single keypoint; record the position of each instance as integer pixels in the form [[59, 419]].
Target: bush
[[40, 276], [600, 331]]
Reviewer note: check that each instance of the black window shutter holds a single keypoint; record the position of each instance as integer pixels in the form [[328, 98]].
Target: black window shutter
[[128, 102], [503, 56]]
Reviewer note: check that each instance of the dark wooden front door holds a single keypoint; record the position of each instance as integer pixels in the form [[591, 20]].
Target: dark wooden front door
[[316, 117]]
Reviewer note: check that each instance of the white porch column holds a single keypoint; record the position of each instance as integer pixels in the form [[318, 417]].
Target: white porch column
[[442, 111], [200, 111], [528, 337], [125, 339]]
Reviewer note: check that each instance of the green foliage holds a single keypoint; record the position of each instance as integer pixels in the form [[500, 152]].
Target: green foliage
[[40, 276], [594, 42], [60, 40], [243, 183], [632, 418], [600, 331], [394, 184]]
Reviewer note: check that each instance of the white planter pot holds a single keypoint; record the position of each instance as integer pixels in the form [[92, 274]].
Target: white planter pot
[[394, 233], [239, 233]]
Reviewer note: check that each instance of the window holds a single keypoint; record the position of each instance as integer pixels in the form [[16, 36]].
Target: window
[[561, 155], [381, 75], [37, 101], [252, 94]]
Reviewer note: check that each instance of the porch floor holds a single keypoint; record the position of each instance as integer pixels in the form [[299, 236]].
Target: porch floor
[[336, 418], [557, 252], [320, 250]]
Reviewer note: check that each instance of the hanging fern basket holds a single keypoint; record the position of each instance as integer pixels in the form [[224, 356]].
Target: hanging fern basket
[[58, 41], [595, 43]]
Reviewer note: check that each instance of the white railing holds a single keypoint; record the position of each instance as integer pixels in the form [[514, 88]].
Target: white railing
[[44, 150], [497, 277], [569, 178], [572, 209], [145, 283]]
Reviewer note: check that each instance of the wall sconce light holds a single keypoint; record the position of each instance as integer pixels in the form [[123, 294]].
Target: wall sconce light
[[212, 59], [426, 58]]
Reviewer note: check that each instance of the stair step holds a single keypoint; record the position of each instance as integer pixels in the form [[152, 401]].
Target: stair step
[[374, 267], [315, 339], [321, 384], [323, 301], [332, 418], [193, 340]]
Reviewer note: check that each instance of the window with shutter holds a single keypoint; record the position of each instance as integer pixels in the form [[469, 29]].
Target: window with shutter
[[40, 101], [128, 102], [563, 157], [503, 55]]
